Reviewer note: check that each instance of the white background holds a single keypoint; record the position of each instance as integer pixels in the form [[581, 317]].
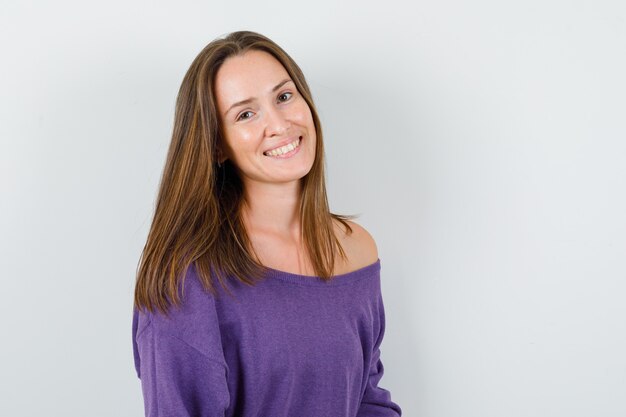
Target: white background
[[484, 143]]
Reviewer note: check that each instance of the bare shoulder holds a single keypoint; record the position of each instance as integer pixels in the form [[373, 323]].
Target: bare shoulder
[[359, 245]]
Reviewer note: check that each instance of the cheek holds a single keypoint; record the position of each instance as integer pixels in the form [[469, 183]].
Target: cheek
[[241, 138], [302, 112]]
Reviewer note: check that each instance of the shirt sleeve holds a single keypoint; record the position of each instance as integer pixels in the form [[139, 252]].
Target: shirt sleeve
[[376, 401], [180, 361]]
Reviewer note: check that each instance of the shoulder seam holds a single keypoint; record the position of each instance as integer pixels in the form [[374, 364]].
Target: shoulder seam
[[216, 361], [143, 329]]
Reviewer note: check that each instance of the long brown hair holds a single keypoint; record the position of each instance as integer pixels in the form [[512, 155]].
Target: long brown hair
[[197, 217]]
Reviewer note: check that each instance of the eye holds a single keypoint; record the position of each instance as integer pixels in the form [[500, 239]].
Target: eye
[[240, 118], [285, 93]]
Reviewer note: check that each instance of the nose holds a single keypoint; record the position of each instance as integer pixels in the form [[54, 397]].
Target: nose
[[276, 122]]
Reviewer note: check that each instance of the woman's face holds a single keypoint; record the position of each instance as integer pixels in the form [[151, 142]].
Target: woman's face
[[274, 115]]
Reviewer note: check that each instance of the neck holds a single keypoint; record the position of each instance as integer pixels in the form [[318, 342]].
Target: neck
[[273, 208]]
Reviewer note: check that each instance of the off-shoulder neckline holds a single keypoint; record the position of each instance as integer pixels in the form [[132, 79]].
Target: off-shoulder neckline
[[316, 280]]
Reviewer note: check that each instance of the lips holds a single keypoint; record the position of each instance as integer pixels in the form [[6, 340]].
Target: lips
[[282, 143]]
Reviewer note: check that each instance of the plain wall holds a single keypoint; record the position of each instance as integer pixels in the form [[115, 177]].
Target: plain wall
[[483, 142]]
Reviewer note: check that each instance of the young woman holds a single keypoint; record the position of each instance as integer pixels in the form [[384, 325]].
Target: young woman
[[252, 298]]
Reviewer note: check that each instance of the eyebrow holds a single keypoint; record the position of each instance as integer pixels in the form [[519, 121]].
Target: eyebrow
[[251, 99]]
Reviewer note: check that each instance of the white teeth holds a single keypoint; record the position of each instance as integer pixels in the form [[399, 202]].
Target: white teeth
[[284, 149]]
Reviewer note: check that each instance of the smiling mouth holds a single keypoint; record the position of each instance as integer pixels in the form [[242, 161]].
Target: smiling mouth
[[285, 150]]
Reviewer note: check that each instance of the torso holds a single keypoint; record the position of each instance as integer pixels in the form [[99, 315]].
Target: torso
[[286, 255]]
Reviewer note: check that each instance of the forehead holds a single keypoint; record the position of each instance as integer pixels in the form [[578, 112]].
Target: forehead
[[252, 74]]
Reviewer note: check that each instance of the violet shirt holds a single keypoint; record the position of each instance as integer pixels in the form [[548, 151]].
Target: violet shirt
[[290, 346]]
